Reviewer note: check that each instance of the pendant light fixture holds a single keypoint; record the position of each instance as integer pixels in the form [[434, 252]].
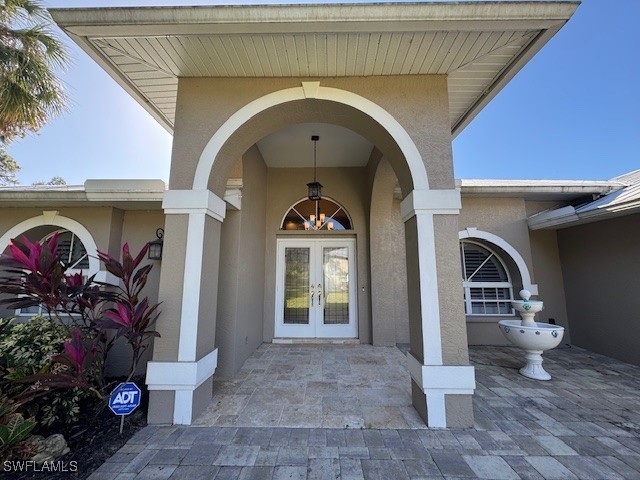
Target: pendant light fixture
[[315, 188]]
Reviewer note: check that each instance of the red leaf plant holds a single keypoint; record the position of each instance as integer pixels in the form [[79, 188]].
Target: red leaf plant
[[71, 369], [129, 316], [36, 275]]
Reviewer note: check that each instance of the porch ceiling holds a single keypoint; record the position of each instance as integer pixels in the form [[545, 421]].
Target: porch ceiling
[[479, 45]]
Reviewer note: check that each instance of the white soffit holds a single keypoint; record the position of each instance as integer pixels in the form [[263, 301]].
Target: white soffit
[[479, 45]]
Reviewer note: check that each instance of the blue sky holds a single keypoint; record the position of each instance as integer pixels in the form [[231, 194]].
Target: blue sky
[[572, 113]]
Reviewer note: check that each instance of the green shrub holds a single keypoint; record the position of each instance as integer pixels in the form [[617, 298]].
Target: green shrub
[[26, 349], [14, 429]]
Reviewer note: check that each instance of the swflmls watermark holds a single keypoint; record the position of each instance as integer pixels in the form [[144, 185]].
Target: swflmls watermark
[[31, 466]]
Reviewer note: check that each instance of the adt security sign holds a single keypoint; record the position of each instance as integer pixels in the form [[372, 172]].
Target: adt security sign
[[125, 398]]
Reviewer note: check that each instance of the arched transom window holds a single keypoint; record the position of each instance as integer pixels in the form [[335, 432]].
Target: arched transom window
[[487, 286], [321, 214], [71, 250]]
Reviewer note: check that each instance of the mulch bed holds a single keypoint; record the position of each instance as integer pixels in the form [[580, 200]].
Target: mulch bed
[[92, 440]]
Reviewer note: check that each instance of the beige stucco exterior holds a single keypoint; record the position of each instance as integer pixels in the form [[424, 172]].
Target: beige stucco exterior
[[218, 279], [600, 265], [418, 103], [110, 228]]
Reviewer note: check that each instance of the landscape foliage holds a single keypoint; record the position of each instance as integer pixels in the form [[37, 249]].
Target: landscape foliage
[[53, 363]]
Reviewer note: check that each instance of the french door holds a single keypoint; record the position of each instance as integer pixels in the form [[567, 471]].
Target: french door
[[316, 288]]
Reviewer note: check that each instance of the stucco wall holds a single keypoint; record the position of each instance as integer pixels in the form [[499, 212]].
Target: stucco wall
[[110, 228], [389, 298], [506, 218], [242, 263], [251, 273], [600, 266], [348, 187], [97, 220], [548, 270], [418, 103], [228, 294]]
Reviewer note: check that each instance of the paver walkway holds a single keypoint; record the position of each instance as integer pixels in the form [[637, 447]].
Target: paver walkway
[[583, 424]]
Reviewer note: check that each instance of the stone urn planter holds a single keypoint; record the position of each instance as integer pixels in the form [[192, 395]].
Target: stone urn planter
[[533, 337]]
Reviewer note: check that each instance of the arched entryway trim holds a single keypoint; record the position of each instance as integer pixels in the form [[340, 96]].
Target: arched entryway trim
[[419, 209], [311, 90], [52, 218], [508, 249]]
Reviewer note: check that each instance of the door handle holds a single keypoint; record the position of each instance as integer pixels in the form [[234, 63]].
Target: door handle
[[319, 295], [311, 288]]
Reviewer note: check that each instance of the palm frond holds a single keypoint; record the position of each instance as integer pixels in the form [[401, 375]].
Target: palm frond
[[30, 93]]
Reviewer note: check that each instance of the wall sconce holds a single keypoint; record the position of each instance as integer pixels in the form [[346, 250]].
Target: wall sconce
[[155, 246]]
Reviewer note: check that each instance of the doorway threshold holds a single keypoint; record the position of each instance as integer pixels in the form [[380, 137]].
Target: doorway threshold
[[316, 341]]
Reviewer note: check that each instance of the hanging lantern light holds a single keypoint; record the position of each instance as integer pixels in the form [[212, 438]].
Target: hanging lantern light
[[315, 187]]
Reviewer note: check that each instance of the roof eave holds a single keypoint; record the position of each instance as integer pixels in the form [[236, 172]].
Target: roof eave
[[548, 17]]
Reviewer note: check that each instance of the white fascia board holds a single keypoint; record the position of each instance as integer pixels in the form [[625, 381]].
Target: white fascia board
[[323, 18], [523, 188], [552, 218]]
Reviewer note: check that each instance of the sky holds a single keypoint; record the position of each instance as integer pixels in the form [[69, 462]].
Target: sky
[[573, 112]]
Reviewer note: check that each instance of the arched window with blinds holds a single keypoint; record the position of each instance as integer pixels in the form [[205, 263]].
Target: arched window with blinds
[[71, 250], [487, 285]]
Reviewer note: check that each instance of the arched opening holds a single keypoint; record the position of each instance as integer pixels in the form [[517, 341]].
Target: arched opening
[[309, 103], [230, 295], [77, 241], [493, 272], [515, 264]]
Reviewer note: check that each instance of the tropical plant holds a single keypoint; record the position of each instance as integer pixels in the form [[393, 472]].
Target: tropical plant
[[36, 276], [131, 317], [30, 92], [30, 354], [14, 428]]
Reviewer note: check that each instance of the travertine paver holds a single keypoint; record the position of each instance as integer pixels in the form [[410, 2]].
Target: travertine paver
[[583, 424]]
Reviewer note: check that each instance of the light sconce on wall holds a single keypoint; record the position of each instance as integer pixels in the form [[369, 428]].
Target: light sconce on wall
[[155, 246]]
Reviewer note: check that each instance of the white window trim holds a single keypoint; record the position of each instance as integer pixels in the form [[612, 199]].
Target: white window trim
[[474, 233], [468, 285]]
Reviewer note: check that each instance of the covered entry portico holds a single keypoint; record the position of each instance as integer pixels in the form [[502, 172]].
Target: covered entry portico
[[421, 210], [405, 77]]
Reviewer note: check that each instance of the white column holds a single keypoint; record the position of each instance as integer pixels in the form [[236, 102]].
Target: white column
[[435, 379], [188, 372]]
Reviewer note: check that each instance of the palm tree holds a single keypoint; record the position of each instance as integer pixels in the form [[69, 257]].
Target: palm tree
[[30, 93]]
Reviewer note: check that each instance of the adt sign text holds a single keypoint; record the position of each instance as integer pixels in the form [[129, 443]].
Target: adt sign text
[[125, 398]]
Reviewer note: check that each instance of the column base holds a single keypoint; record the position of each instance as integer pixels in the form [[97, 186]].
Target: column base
[[180, 391], [441, 393]]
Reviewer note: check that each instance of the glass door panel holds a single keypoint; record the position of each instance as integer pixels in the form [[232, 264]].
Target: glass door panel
[[335, 268], [296, 286], [315, 288]]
